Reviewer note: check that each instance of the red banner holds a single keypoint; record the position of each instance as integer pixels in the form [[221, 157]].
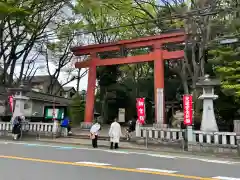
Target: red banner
[[10, 101], [141, 110], [187, 108]]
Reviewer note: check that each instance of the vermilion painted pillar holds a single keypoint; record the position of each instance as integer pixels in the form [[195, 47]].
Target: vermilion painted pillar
[[159, 85], [89, 109]]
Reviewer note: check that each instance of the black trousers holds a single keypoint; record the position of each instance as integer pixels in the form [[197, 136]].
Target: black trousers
[[115, 145], [94, 142]]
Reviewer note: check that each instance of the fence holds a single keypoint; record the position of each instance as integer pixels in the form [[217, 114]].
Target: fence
[[161, 134], [194, 140], [215, 138], [30, 127]]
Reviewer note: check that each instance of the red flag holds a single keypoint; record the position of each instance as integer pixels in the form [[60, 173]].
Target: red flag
[[187, 108], [10, 101], [141, 110]]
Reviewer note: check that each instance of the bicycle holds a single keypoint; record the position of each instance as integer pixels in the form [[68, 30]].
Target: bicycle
[[128, 134]]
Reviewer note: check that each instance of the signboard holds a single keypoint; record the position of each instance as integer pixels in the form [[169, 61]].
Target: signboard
[[121, 115], [187, 109], [141, 110], [54, 113]]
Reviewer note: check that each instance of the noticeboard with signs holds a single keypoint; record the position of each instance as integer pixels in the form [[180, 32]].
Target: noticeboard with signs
[[57, 112]]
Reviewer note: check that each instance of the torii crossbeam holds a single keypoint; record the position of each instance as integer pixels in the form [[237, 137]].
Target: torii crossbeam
[[157, 55]]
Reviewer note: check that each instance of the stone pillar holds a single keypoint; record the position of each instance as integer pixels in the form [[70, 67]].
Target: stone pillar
[[189, 137], [19, 101], [238, 143], [236, 126], [138, 132], [56, 128], [89, 110], [208, 117], [237, 131], [159, 86]]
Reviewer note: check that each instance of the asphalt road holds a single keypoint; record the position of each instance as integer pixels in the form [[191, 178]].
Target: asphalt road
[[27, 161]]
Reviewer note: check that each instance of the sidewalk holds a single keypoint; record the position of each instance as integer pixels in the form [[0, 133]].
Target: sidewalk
[[84, 134], [138, 145]]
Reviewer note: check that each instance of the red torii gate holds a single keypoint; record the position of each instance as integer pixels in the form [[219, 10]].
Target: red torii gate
[[158, 55]]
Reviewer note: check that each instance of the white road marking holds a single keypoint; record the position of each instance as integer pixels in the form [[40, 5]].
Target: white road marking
[[215, 161], [157, 170], [209, 160], [117, 152], [93, 163], [225, 178], [161, 156], [2, 142]]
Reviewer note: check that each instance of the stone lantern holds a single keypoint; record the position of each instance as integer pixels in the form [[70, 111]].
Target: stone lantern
[[208, 117], [19, 97]]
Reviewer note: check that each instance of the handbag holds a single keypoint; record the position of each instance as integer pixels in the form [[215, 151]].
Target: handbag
[[92, 136]]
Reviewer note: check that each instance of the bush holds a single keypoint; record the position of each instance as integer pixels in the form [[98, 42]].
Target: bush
[[76, 110]]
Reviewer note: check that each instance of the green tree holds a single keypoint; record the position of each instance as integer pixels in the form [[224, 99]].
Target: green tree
[[77, 109], [20, 32], [226, 66], [224, 60]]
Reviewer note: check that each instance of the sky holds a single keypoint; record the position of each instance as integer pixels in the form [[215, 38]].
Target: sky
[[42, 63]]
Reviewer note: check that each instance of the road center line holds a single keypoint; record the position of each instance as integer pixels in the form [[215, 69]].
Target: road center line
[[104, 167]]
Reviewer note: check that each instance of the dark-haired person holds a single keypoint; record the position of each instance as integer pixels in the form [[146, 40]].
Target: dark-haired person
[[131, 127], [16, 130]]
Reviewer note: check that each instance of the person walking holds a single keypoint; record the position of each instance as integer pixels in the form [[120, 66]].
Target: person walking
[[16, 130], [115, 133], [94, 132]]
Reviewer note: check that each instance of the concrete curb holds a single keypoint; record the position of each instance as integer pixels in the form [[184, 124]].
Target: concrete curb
[[103, 138], [150, 150], [87, 144]]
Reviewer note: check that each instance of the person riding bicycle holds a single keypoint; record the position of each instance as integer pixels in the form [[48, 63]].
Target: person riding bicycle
[[132, 124]]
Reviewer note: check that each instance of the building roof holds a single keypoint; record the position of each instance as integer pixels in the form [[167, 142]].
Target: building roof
[[39, 79], [38, 96], [68, 88]]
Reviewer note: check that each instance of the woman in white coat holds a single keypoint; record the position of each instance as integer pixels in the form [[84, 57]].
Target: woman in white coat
[[115, 133]]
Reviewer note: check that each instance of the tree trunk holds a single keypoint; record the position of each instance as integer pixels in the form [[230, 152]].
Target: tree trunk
[[78, 80]]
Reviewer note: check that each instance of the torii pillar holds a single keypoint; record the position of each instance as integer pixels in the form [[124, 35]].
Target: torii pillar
[[158, 55]]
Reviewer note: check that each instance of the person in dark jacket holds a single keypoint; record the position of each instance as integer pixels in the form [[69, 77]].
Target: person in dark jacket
[[16, 130], [132, 124]]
